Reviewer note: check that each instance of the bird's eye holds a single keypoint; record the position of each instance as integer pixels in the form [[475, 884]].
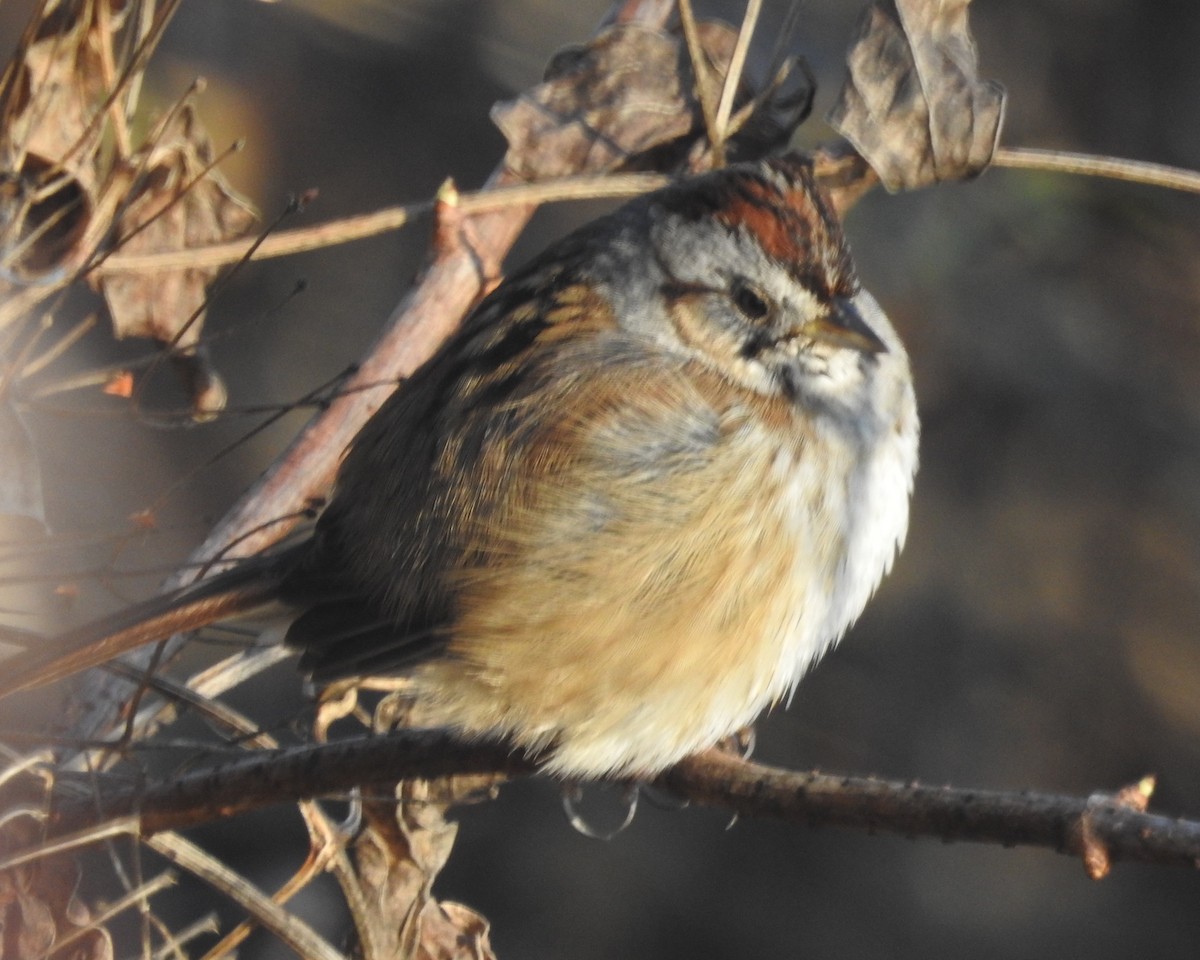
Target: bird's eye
[[750, 303]]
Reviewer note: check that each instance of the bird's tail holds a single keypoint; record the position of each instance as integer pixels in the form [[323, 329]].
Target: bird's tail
[[251, 584]]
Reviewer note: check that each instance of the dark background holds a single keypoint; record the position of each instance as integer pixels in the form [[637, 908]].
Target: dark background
[[1040, 630]]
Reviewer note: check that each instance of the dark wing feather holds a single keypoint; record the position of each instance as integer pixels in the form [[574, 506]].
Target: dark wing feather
[[423, 475]]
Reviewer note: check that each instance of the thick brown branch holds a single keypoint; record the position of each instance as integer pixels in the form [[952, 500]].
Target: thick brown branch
[[1010, 818], [266, 778], [710, 779]]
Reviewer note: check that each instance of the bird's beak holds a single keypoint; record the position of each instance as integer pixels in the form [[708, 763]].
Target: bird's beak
[[844, 326]]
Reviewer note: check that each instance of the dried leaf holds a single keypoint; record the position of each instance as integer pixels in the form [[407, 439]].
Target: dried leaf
[[20, 473], [398, 858], [39, 906], [456, 932], [173, 205], [57, 83], [843, 174], [49, 143], [400, 854], [912, 103], [44, 214], [120, 384], [625, 100]]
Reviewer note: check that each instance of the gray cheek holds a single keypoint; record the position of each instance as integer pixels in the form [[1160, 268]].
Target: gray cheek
[[632, 281]]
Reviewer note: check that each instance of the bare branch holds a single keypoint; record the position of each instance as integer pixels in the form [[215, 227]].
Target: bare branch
[[1009, 818], [303, 239], [712, 778], [287, 927], [132, 899], [283, 776], [1084, 164]]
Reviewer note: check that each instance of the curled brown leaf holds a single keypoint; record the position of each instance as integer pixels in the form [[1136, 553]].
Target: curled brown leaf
[[174, 201], [627, 100], [50, 144], [912, 102], [39, 908]]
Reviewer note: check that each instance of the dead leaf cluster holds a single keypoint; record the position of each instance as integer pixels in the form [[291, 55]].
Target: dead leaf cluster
[[77, 183]]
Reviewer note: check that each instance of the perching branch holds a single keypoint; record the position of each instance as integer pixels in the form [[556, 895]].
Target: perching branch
[[1100, 826]]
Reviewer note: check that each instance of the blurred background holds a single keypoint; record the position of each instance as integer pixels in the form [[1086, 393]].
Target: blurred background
[[1042, 628]]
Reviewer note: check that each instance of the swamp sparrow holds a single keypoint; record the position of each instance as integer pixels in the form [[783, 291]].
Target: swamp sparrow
[[653, 477]]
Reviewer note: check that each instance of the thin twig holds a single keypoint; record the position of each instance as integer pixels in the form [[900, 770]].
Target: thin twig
[[613, 186], [60, 347], [1134, 171], [143, 893], [22, 764], [328, 856], [737, 63], [702, 74], [208, 924], [132, 68], [287, 242], [113, 827], [293, 931], [327, 852], [216, 712]]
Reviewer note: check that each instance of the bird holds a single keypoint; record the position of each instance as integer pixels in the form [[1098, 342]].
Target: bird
[[654, 476]]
